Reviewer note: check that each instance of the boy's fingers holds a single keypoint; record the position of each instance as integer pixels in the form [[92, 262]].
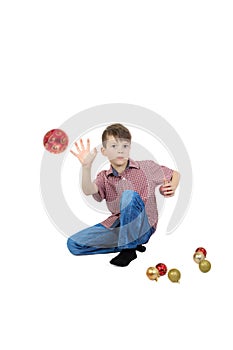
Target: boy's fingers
[[76, 145], [169, 193], [167, 185], [73, 153], [82, 145], [88, 144]]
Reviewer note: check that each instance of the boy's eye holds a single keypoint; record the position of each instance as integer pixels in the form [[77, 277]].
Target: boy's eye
[[113, 146], [125, 146]]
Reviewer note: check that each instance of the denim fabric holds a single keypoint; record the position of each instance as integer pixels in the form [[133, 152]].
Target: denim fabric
[[131, 229]]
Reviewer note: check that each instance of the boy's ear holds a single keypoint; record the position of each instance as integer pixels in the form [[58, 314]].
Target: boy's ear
[[103, 151]]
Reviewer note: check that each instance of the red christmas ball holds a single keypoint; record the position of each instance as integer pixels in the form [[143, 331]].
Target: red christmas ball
[[162, 268], [55, 141], [201, 249]]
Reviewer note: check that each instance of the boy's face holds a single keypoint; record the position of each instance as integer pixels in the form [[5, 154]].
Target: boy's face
[[117, 151]]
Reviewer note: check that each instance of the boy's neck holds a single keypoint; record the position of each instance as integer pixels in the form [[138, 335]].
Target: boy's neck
[[120, 168]]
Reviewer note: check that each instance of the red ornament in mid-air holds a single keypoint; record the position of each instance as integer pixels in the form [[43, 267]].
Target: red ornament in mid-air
[[55, 141]]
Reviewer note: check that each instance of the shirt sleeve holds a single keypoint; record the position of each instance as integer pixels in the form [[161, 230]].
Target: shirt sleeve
[[167, 172], [99, 181], [162, 172]]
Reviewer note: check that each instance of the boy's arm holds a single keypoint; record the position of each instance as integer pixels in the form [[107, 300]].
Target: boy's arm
[[88, 186], [86, 158], [169, 187], [175, 179]]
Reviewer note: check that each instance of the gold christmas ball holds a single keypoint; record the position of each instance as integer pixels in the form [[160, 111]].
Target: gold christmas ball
[[198, 257], [205, 266], [152, 273], [174, 275]]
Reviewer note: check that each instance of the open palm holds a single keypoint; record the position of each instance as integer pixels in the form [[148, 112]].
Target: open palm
[[83, 154]]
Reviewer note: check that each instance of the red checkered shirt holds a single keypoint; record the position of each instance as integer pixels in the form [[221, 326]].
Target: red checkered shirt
[[140, 176]]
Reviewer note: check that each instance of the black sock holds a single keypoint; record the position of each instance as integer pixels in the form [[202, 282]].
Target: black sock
[[141, 248], [124, 257]]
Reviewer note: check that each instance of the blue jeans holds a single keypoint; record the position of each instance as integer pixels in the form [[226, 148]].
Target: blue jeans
[[131, 229]]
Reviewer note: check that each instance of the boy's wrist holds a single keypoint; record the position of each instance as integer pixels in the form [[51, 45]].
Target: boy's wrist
[[175, 179], [86, 166]]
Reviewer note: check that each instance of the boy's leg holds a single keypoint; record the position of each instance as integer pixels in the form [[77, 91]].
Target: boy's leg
[[134, 225], [93, 240], [134, 229]]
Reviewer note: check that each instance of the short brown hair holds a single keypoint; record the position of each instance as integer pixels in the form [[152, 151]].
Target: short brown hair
[[118, 131]]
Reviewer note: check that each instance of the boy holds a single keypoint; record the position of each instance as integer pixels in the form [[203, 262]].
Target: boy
[[129, 190]]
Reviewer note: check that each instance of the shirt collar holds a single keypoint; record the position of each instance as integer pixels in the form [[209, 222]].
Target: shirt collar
[[131, 164]]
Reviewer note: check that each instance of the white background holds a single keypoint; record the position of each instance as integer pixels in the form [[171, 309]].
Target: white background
[[59, 58]]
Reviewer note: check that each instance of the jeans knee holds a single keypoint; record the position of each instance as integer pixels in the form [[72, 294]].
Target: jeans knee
[[71, 245], [126, 197], [130, 197]]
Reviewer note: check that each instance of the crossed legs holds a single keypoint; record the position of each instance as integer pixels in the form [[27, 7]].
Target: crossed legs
[[126, 236]]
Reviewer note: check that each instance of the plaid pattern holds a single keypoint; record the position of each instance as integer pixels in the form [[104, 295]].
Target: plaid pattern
[[140, 176]]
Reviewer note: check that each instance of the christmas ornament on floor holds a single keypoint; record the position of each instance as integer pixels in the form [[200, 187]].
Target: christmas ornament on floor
[[174, 275], [200, 258], [162, 268], [154, 272], [205, 266]]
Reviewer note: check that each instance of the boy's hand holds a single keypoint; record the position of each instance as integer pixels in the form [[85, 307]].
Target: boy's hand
[[167, 190], [83, 154]]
